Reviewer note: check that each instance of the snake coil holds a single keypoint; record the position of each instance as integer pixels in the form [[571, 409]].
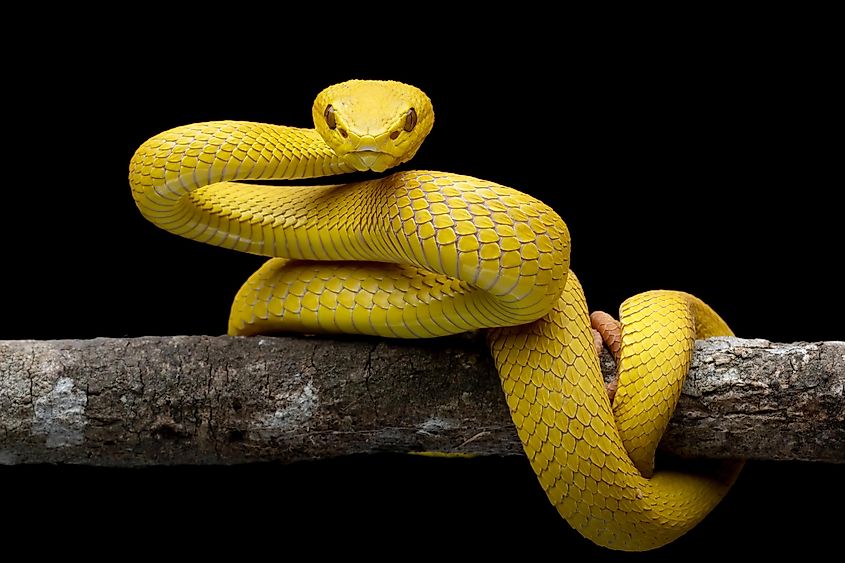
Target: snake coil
[[421, 254]]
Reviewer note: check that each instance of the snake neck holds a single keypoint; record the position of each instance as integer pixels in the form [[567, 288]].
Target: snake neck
[[176, 162]]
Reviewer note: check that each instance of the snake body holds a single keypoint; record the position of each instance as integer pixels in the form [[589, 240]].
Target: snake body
[[422, 254]]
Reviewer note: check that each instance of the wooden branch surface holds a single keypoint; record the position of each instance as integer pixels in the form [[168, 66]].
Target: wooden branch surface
[[223, 400]]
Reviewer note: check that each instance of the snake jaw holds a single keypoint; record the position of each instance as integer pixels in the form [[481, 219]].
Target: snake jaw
[[367, 153], [368, 159]]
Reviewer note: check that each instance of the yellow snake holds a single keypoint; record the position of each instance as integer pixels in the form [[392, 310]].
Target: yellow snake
[[421, 254]]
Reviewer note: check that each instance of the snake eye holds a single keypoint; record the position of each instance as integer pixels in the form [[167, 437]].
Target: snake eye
[[410, 120], [329, 115]]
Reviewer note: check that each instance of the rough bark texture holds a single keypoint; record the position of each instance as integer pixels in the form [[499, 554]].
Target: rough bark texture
[[222, 400]]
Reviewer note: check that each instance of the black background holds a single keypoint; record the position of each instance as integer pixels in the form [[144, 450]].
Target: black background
[[695, 159]]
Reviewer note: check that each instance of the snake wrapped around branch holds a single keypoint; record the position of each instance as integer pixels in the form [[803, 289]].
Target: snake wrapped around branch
[[420, 254]]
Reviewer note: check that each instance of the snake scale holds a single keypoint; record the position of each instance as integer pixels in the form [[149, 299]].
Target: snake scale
[[421, 254]]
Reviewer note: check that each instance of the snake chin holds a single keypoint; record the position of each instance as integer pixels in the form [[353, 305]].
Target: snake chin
[[366, 160]]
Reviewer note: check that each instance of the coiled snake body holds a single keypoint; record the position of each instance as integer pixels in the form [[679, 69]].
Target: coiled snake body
[[421, 254]]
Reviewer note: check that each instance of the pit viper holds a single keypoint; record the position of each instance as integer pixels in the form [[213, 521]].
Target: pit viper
[[420, 254]]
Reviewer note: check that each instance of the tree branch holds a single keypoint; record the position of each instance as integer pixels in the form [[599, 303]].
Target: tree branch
[[222, 400]]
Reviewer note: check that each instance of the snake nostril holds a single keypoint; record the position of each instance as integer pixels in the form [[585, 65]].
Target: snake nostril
[[343, 132], [394, 135]]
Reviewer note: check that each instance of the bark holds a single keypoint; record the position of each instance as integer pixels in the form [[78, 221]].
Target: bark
[[222, 400]]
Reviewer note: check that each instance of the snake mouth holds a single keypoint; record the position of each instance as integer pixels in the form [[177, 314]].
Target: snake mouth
[[364, 160]]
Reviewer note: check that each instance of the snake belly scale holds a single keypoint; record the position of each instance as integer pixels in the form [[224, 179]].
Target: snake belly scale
[[421, 254]]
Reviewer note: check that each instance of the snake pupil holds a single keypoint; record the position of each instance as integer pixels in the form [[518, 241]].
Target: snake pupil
[[410, 120], [329, 115]]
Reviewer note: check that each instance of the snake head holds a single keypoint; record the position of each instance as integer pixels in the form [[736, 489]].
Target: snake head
[[373, 124]]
